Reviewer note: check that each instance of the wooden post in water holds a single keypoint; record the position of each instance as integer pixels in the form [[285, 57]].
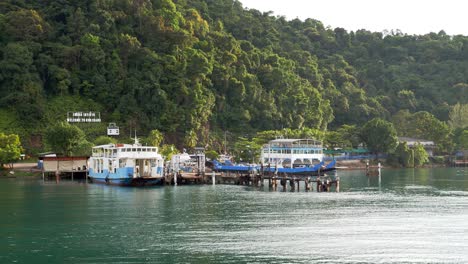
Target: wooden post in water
[[337, 185], [283, 183], [292, 184], [319, 185]]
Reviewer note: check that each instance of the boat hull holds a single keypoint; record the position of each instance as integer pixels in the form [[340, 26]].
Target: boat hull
[[123, 177], [128, 181], [318, 169]]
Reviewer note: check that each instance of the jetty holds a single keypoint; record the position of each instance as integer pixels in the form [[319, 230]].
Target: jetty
[[292, 182]]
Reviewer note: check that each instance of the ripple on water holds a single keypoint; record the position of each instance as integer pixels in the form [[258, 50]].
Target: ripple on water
[[392, 221]]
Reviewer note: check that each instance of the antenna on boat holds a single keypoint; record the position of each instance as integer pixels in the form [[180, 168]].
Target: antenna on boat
[[136, 139]]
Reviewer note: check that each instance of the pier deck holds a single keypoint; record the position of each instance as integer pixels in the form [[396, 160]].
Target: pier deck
[[322, 183]]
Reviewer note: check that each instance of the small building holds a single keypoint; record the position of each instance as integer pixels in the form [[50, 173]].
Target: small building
[[64, 165], [428, 145]]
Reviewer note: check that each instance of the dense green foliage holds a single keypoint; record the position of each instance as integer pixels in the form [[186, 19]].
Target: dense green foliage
[[10, 149], [193, 69], [66, 139], [104, 140], [380, 136]]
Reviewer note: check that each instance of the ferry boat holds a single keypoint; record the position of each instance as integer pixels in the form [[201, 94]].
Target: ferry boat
[[126, 165], [292, 153], [290, 156]]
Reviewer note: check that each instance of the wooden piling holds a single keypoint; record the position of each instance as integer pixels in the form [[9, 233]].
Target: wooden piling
[[283, 183], [306, 184], [292, 184]]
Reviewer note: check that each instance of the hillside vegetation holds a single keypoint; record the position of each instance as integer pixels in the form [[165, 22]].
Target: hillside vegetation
[[194, 69]]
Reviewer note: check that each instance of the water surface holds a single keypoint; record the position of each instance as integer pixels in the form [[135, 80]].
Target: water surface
[[406, 216]]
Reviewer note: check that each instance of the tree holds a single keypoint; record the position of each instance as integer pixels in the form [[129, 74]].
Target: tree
[[351, 134], [404, 155], [380, 136], [155, 138], [64, 138], [247, 150], [425, 125], [464, 139], [212, 154], [26, 25], [167, 151], [191, 139], [334, 139], [104, 140], [459, 116], [84, 148], [420, 155], [10, 148]]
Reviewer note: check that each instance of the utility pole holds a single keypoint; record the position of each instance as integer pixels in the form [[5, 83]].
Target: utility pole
[[225, 147]]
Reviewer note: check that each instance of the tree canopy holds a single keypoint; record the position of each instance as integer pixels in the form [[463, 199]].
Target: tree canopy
[[192, 69], [10, 148], [64, 138], [379, 135]]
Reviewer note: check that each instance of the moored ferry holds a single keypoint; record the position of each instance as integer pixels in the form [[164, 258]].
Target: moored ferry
[[126, 164], [289, 156], [292, 153]]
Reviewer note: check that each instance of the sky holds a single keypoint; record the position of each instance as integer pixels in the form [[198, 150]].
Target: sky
[[417, 17]]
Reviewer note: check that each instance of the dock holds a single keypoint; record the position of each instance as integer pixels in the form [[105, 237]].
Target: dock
[[284, 182]]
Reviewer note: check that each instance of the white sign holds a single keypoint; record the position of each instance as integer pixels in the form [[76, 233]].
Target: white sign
[[113, 130], [83, 117]]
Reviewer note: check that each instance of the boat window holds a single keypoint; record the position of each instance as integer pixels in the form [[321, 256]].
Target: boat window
[[133, 149]]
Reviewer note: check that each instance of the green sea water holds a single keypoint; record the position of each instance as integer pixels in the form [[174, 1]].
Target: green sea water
[[404, 216]]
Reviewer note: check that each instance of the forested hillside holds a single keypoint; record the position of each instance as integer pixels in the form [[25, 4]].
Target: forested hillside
[[193, 69]]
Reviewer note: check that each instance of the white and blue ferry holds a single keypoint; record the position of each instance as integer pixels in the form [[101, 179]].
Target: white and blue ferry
[[290, 156], [292, 153], [126, 164]]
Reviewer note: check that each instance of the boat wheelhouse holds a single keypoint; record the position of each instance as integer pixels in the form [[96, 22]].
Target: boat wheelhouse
[[292, 153], [126, 164], [185, 162]]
